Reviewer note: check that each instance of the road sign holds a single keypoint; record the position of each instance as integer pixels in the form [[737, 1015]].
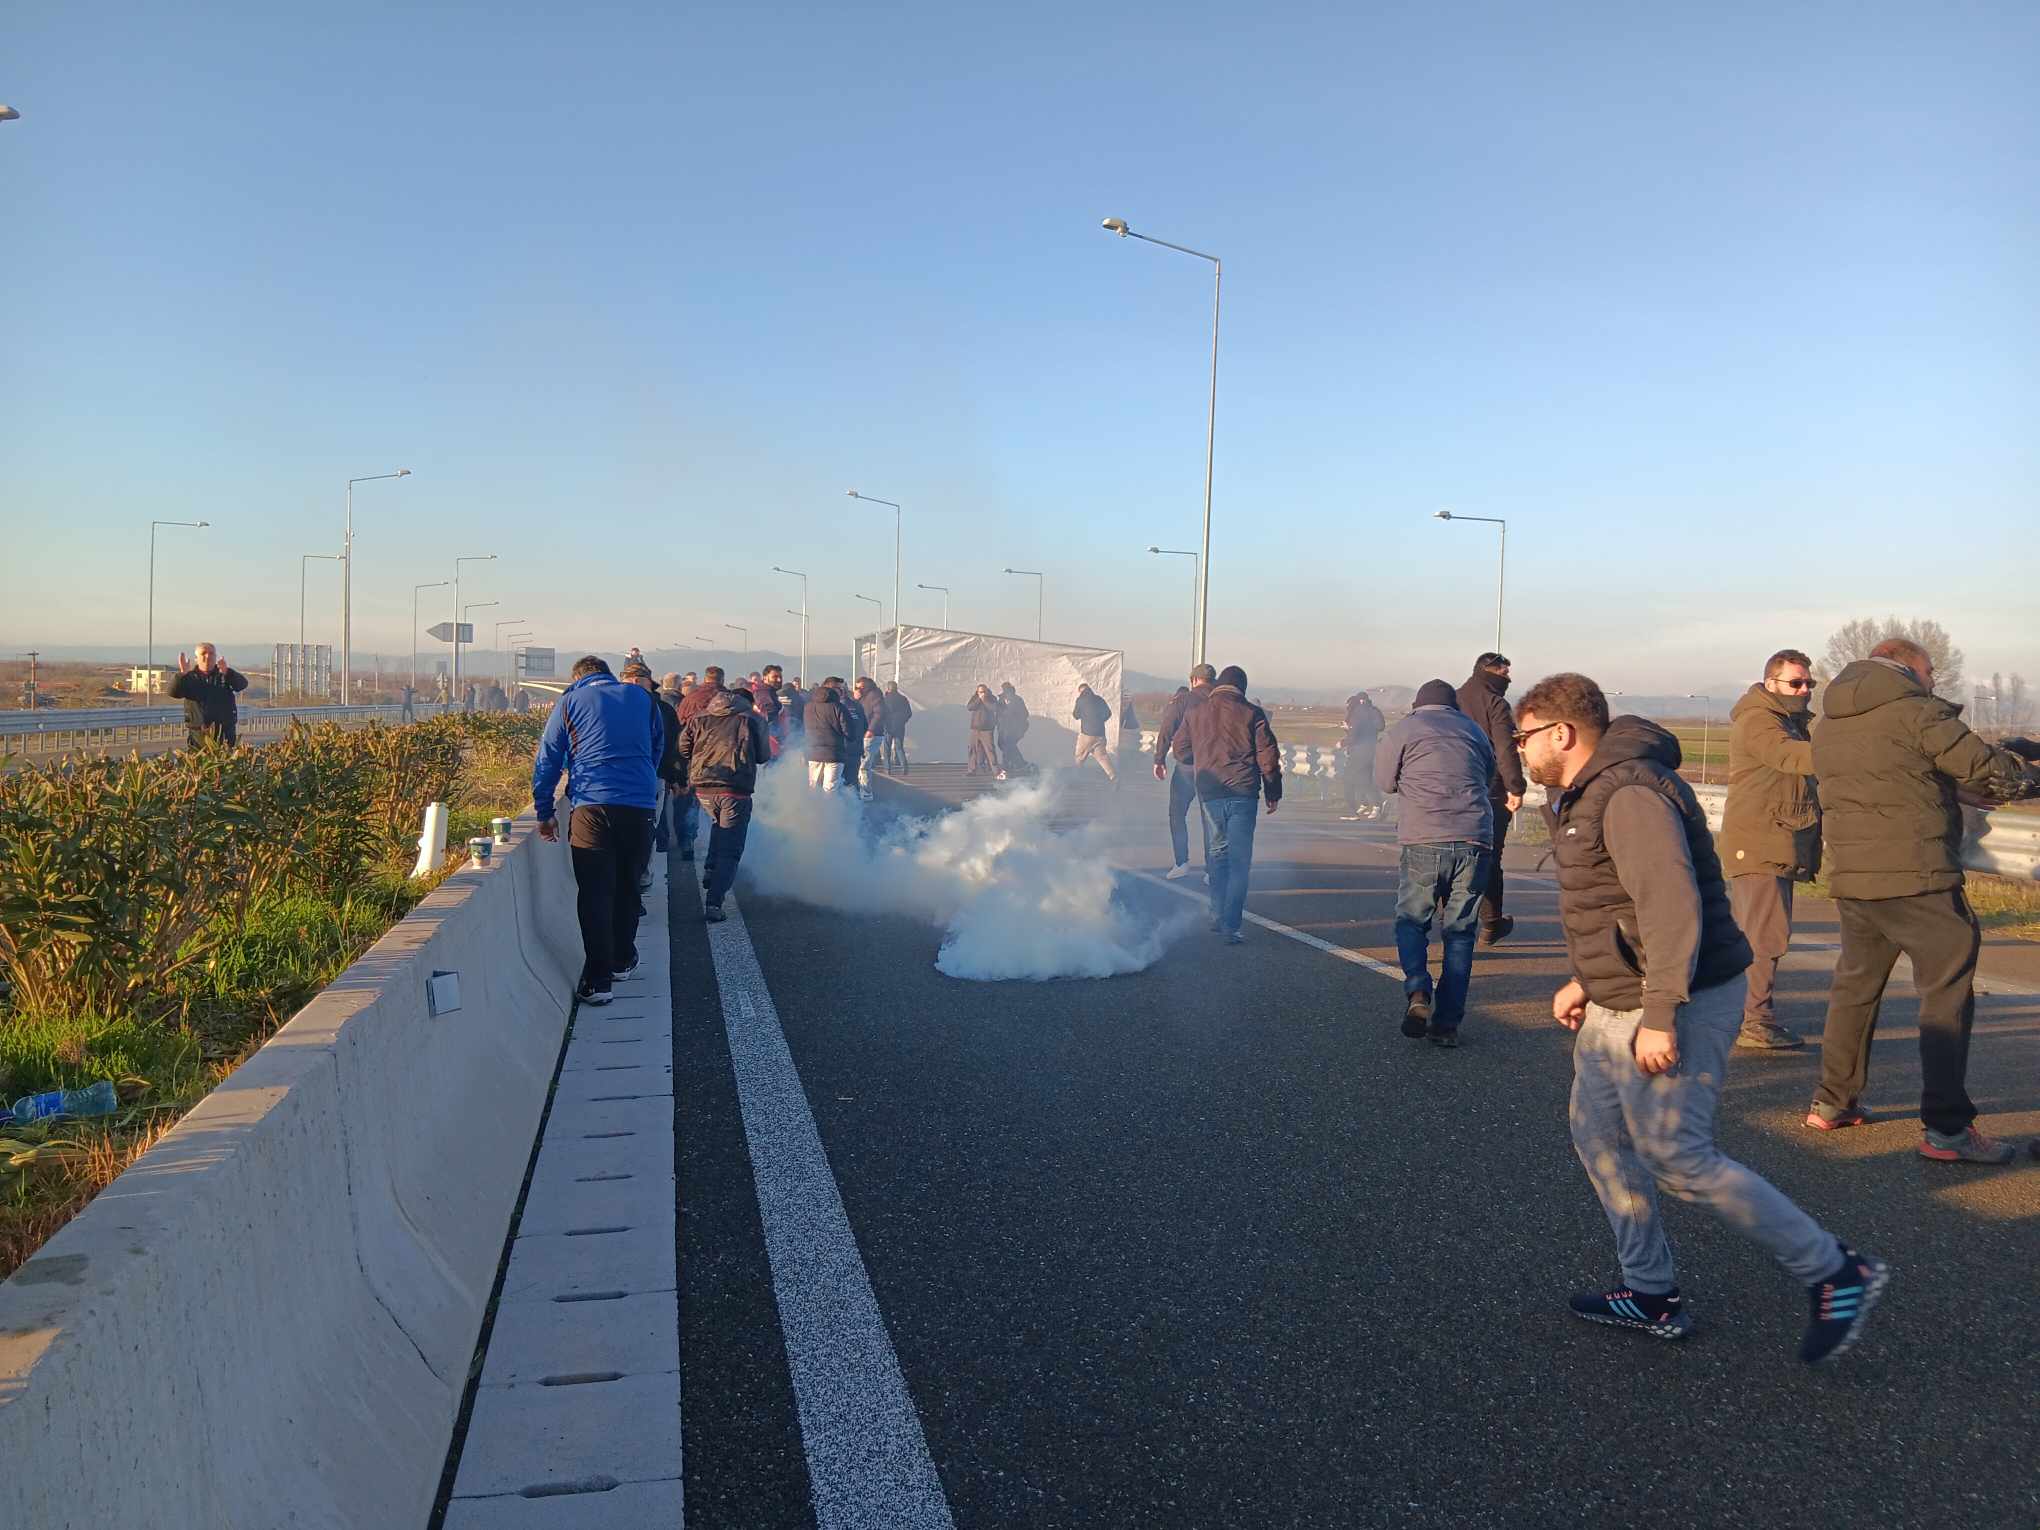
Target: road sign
[[444, 632], [535, 661]]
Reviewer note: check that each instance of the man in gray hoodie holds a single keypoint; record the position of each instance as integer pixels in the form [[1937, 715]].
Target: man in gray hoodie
[[1438, 761]]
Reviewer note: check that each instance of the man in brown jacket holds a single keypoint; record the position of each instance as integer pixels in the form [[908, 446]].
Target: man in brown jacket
[[1237, 758], [1770, 830], [1890, 755]]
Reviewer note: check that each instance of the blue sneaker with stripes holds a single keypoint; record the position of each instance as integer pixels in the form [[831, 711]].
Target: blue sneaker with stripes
[[1841, 1305], [1661, 1316]]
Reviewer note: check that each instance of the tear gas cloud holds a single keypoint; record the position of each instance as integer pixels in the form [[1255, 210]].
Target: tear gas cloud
[[1013, 898]]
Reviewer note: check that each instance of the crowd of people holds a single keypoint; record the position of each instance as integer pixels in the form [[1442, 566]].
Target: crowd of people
[[1673, 934]]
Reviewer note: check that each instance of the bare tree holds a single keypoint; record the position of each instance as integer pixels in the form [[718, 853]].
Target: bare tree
[[2018, 706], [1854, 640]]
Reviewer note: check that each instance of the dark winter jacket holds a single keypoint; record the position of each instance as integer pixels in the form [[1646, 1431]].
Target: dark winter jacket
[[1013, 718], [826, 727], [1091, 712], [1484, 698], [722, 748], [696, 701], [984, 713], [1235, 749], [1364, 725], [1771, 826], [210, 710], [1640, 892], [670, 769], [765, 701], [898, 711], [1438, 762], [1172, 736], [1890, 754], [855, 724], [871, 703]]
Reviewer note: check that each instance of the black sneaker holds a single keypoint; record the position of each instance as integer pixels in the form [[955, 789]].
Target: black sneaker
[[1662, 1317], [713, 914], [1444, 1038], [1494, 934], [1841, 1305], [1416, 1014], [587, 995], [687, 856]]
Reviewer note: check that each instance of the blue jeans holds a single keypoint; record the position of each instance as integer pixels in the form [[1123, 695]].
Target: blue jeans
[[686, 821], [1183, 792], [729, 825], [1449, 879], [1229, 856], [896, 751], [874, 753]]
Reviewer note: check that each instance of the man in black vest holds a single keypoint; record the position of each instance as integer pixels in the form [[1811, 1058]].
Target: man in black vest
[[1656, 995]]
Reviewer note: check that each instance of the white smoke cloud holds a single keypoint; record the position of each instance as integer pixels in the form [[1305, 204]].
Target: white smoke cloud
[[1014, 898]]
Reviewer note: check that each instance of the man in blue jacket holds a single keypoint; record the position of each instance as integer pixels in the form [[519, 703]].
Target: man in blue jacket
[[1438, 761], [609, 738]]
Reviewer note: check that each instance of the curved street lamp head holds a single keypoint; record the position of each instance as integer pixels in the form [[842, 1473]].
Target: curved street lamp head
[[853, 494], [9, 114], [1444, 515], [403, 472], [1116, 226]]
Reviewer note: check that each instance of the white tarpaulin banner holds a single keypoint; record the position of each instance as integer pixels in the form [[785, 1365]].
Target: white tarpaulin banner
[[940, 669]]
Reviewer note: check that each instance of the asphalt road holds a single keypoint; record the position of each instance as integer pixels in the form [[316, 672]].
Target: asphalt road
[[1212, 1244]]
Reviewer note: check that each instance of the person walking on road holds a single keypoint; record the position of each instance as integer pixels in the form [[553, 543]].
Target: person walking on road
[[696, 701], [609, 738], [1438, 762], [679, 814], [670, 774], [1238, 759], [827, 732], [721, 750], [1364, 725], [410, 713], [1770, 830], [1890, 755], [1091, 713], [208, 692], [770, 710], [983, 708], [898, 712], [1172, 737], [1656, 995], [872, 701], [1013, 723], [855, 726], [1483, 698]]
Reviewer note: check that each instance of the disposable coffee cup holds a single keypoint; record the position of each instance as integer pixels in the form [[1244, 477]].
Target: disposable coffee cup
[[500, 828], [479, 848]]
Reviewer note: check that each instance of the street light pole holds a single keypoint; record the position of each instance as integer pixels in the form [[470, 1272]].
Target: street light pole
[[945, 600], [803, 612], [874, 640], [1501, 569], [150, 669], [897, 516], [744, 633], [436, 584], [496, 628], [509, 655], [1179, 552], [303, 560], [347, 586], [1040, 585], [461, 620], [453, 691], [1118, 226], [1706, 730]]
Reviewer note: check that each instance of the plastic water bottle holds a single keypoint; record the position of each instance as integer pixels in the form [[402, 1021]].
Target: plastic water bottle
[[98, 1100]]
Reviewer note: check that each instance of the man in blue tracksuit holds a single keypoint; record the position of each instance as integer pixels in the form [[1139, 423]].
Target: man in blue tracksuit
[[1438, 761], [609, 738]]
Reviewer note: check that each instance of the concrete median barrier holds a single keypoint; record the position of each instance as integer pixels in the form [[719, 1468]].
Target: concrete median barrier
[[268, 1319]]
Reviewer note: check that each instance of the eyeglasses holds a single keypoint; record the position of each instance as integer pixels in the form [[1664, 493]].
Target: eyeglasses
[[1523, 736]]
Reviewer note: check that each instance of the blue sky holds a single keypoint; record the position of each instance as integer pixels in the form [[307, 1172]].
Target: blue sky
[[1733, 313]]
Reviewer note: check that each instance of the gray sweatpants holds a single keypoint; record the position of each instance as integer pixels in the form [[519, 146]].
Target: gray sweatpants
[[1636, 1133]]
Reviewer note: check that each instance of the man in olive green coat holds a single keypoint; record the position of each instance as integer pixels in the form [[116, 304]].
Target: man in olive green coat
[[1890, 755], [1770, 830]]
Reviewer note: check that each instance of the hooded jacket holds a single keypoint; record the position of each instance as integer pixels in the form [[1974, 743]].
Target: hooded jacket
[[722, 747], [1091, 713], [608, 737], [1771, 826], [1890, 754], [1013, 719], [1235, 749], [1364, 723], [1438, 762], [1641, 931], [1484, 698], [696, 701], [826, 728]]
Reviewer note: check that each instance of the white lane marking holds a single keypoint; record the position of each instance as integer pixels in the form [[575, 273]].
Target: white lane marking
[[867, 1456], [1343, 953]]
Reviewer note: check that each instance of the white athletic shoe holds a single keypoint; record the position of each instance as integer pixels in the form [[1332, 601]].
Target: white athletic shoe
[[1177, 873], [624, 974], [864, 793]]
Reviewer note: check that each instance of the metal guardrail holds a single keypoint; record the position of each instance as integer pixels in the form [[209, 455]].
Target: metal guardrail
[[53, 732], [2001, 843]]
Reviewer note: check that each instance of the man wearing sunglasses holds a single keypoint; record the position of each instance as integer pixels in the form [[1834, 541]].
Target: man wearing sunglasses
[[1770, 830]]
